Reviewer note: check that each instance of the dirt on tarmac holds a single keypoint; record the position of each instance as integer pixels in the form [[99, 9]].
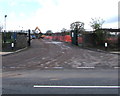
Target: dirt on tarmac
[[47, 54]]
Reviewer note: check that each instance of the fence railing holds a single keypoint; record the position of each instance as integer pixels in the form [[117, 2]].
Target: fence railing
[[12, 41], [88, 40]]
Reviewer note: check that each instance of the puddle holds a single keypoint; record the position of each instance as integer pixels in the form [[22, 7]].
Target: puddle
[[43, 58], [58, 67], [15, 67], [54, 42]]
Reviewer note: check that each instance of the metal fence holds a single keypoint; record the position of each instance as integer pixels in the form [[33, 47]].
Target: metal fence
[[12, 41], [88, 40]]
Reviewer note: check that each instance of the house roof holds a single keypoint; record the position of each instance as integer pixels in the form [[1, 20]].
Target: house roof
[[110, 30]]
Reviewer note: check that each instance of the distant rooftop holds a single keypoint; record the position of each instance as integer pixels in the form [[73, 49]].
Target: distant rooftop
[[110, 29]]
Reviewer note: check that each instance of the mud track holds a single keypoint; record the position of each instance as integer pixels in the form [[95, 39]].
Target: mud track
[[46, 54]]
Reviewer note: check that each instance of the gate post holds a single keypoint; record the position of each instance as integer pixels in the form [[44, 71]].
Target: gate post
[[29, 43], [74, 36], [76, 27]]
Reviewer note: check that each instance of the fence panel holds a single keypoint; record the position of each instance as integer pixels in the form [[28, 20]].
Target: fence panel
[[19, 39]]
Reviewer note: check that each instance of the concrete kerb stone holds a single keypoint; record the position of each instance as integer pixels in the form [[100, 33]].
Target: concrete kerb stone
[[115, 53], [98, 50], [15, 51]]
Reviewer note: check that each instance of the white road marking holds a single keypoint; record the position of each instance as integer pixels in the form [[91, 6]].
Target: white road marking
[[86, 67], [52, 86], [116, 67]]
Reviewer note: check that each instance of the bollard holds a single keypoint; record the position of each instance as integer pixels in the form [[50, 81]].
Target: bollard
[[12, 45], [106, 46]]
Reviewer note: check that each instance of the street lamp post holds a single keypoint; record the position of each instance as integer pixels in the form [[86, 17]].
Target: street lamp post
[[5, 30], [5, 21]]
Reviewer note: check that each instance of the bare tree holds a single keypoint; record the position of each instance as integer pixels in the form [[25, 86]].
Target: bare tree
[[77, 25], [63, 30], [96, 23]]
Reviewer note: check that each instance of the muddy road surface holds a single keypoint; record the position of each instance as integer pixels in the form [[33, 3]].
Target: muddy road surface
[[46, 54]]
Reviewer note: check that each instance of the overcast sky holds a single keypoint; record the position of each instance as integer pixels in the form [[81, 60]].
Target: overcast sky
[[57, 14]]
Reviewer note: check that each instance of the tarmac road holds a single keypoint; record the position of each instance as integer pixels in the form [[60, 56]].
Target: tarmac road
[[22, 82]]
